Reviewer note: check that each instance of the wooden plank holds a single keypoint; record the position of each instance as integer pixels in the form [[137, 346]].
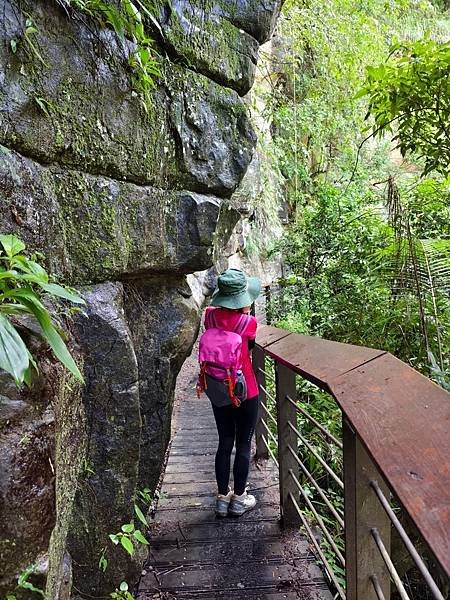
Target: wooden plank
[[205, 514], [195, 438], [254, 478], [199, 502], [403, 420], [202, 454], [218, 577], [202, 462], [203, 554], [305, 592], [318, 360], [268, 335], [222, 529]]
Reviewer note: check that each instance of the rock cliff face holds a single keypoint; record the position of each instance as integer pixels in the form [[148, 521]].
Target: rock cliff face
[[123, 203]]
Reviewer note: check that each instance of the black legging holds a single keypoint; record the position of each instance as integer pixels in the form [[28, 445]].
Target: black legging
[[234, 424]]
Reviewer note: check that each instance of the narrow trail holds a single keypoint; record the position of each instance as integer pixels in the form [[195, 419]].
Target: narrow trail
[[193, 554]]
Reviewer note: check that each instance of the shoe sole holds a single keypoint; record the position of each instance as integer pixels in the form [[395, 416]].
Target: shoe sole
[[232, 513]]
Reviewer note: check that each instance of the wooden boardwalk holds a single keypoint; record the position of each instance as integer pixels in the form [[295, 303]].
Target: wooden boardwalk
[[195, 555]]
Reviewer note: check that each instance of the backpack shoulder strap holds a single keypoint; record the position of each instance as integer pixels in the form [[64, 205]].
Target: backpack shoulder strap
[[210, 320], [241, 324]]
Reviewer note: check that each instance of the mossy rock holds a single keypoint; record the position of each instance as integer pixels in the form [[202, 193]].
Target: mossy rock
[[209, 43], [79, 110], [93, 229]]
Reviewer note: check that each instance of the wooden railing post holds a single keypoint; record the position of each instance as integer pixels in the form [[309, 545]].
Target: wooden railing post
[[362, 513], [286, 412], [258, 367]]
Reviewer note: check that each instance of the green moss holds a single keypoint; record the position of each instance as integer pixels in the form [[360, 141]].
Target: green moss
[[91, 227], [69, 456], [216, 48]]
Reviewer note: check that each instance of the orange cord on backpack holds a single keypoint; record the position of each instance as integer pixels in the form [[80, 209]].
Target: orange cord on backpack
[[230, 384], [201, 381]]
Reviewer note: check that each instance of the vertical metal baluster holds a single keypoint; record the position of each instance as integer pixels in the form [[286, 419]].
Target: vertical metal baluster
[[363, 512], [285, 386]]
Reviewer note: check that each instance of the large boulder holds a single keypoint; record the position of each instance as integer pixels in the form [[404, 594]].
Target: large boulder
[[95, 229], [123, 202], [109, 470], [74, 108], [163, 322]]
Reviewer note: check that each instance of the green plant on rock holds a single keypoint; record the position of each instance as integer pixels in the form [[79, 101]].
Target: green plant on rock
[[145, 496], [28, 40], [128, 537], [128, 22], [103, 561], [24, 284], [24, 584], [122, 593]]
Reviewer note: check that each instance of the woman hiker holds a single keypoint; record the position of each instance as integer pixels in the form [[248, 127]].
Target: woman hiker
[[231, 300]]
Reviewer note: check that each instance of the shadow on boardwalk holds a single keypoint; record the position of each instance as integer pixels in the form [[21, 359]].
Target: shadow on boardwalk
[[195, 555]]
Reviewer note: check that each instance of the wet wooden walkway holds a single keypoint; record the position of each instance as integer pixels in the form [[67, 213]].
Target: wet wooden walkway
[[196, 556]]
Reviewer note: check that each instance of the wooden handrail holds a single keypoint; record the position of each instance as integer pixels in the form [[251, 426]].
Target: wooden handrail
[[401, 419]]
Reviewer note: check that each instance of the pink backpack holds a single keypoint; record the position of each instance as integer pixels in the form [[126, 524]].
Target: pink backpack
[[220, 354]]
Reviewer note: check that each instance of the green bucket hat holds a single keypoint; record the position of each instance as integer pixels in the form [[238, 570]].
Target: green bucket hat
[[235, 289]]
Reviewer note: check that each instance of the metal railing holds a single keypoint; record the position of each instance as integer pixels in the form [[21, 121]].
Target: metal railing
[[395, 454]]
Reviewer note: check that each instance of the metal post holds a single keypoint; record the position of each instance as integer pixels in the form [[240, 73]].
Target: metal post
[[258, 367], [363, 512], [286, 412]]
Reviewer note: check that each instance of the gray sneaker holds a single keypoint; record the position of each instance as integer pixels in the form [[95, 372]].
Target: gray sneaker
[[241, 504], [222, 504]]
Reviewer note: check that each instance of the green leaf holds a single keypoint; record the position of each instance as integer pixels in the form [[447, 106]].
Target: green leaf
[[28, 377], [8, 275], [127, 544], [123, 586], [29, 266], [128, 527], [11, 244], [114, 538], [140, 515], [103, 563], [362, 92], [13, 309], [13, 352], [23, 293], [140, 537], [52, 336], [26, 585], [13, 44], [42, 105], [58, 290]]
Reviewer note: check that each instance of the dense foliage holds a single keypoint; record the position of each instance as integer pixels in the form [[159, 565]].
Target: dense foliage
[[367, 247], [409, 95]]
